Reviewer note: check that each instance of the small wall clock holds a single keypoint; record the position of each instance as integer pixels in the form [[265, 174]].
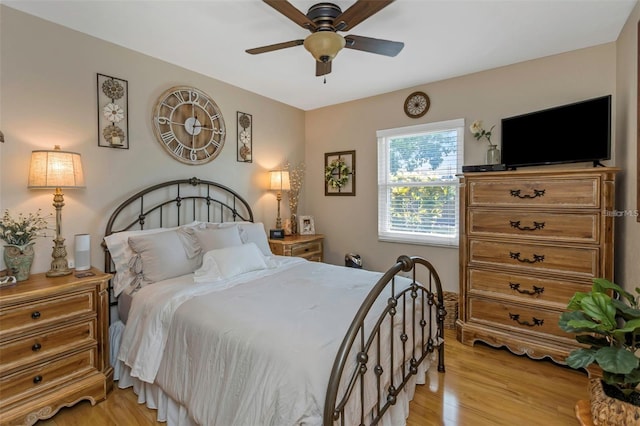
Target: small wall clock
[[417, 104], [189, 125], [245, 137]]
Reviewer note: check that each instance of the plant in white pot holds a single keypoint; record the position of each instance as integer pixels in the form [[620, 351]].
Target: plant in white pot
[[610, 329]]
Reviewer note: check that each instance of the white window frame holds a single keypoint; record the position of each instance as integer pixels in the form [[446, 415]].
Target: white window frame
[[385, 234]]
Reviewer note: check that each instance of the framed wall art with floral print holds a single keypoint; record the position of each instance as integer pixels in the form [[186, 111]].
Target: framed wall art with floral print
[[113, 112], [340, 173]]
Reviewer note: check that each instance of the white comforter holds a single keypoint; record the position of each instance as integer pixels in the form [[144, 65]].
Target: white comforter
[[256, 353]]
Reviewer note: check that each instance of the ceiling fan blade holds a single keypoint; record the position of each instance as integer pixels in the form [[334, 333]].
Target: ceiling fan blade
[[272, 47], [373, 45], [288, 10], [323, 68], [358, 12]]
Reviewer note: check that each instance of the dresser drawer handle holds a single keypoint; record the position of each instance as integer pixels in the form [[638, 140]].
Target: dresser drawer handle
[[536, 322], [535, 227], [536, 289], [35, 315], [536, 193], [36, 347], [37, 379], [536, 258]]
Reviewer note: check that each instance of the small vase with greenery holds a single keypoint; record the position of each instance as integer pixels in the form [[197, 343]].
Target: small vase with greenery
[[610, 327], [19, 234]]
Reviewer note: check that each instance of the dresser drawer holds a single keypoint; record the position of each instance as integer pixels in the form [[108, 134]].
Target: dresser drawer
[[305, 249], [576, 261], [33, 348], [549, 192], [27, 316], [46, 376], [519, 318], [538, 225], [524, 288]]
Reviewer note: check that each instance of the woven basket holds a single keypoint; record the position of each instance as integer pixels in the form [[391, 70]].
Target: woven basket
[[451, 306], [607, 411]]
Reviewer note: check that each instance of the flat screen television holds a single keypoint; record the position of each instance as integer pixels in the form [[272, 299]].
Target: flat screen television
[[570, 133]]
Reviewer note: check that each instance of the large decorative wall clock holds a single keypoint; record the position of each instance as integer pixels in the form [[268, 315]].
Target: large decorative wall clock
[[113, 114], [189, 125]]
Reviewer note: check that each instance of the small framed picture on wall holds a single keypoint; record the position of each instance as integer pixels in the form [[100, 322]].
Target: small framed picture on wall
[[306, 226], [340, 173]]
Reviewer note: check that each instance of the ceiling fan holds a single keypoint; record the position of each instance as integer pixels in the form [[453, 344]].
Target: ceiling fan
[[324, 20]]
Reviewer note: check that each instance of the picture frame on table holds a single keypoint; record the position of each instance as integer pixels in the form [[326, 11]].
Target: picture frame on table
[[306, 225]]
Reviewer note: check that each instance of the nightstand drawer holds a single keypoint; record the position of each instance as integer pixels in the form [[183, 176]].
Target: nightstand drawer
[[551, 192], [305, 249], [38, 346], [22, 318], [538, 225], [46, 376]]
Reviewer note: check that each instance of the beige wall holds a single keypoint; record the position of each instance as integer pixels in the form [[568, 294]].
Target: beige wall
[[48, 96], [627, 227], [350, 223]]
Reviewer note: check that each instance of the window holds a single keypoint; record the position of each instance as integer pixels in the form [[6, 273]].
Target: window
[[417, 184]]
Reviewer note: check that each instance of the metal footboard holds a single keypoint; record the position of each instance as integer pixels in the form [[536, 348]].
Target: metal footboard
[[387, 359]]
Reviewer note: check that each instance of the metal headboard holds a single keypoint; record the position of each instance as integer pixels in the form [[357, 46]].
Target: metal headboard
[[175, 203]]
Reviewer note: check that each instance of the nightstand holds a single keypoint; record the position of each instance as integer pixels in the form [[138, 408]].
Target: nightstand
[[307, 246], [54, 345]]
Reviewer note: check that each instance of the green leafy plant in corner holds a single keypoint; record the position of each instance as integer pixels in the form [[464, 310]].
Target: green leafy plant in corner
[[610, 326]]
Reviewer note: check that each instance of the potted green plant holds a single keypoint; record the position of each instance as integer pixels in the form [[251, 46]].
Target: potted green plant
[[609, 327]]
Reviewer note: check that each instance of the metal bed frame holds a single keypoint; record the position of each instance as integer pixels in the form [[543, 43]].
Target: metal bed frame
[[179, 202]]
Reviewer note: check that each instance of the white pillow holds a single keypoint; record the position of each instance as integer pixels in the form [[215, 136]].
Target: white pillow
[[121, 254], [216, 238], [163, 255], [229, 262], [255, 233]]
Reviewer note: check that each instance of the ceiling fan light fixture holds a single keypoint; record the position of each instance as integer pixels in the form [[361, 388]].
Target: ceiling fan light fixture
[[324, 45]]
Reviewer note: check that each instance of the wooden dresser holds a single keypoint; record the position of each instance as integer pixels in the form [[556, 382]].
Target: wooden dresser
[[54, 345], [529, 239], [307, 246]]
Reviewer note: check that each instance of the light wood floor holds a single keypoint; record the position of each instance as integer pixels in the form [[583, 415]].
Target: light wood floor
[[482, 386]]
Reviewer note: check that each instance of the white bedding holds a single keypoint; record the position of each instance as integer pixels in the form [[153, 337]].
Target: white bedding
[[256, 350]]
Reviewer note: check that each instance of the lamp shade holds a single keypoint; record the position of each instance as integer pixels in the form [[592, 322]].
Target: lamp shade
[[280, 180], [55, 169], [324, 45]]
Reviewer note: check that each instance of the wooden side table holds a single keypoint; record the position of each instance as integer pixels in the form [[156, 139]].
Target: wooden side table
[[54, 345], [309, 247]]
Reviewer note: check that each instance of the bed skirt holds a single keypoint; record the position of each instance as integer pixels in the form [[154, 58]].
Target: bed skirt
[[175, 414]]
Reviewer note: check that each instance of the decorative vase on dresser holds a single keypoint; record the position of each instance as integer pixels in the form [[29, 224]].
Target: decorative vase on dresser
[[19, 259], [493, 154], [54, 345], [529, 239]]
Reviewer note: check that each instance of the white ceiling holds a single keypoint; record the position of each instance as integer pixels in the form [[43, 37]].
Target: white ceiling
[[443, 39]]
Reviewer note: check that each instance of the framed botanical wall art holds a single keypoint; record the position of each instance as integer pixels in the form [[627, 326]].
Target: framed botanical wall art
[[113, 112], [340, 173], [245, 137], [306, 225]]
